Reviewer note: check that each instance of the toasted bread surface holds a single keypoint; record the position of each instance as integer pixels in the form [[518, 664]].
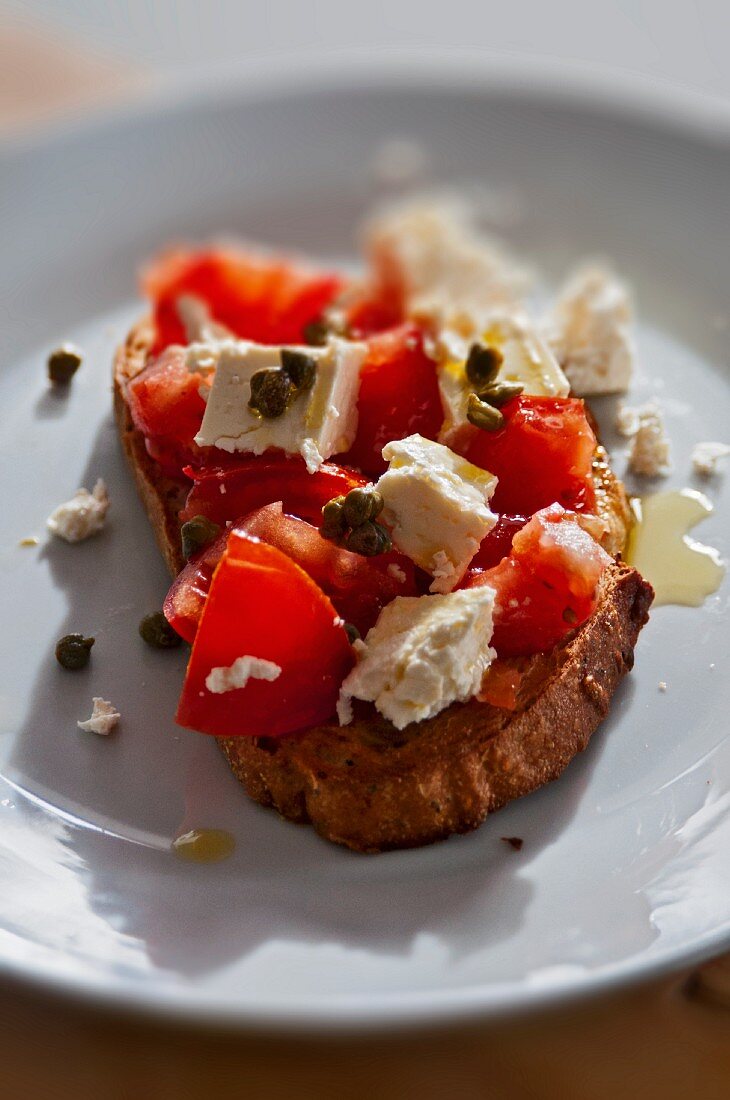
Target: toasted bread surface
[[372, 787]]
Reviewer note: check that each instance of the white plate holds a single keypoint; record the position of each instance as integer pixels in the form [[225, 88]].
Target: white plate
[[624, 868]]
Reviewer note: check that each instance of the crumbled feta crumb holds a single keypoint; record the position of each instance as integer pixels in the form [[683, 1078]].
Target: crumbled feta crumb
[[627, 421], [104, 717], [395, 571], [706, 456], [82, 516], [589, 330], [663, 686], [649, 453], [237, 675], [344, 708]]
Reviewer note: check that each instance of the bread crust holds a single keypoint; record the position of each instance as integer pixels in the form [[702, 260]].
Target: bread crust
[[372, 787]]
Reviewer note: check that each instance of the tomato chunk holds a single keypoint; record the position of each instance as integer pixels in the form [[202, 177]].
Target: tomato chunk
[[358, 587], [542, 454], [546, 586], [166, 406], [399, 395], [497, 543], [266, 299], [262, 605], [225, 493]]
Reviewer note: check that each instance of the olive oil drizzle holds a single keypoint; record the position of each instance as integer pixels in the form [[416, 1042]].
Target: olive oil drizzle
[[680, 569], [204, 845]]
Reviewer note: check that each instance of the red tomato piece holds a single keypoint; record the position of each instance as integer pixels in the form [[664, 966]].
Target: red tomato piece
[[358, 587], [166, 406], [261, 604], [497, 543], [262, 298], [399, 395], [542, 454], [546, 586], [224, 493]]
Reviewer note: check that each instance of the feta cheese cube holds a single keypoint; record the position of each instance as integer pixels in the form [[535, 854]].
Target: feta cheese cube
[[200, 328], [649, 451], [104, 717], [449, 276], [436, 507], [589, 330], [526, 358], [424, 653], [320, 422], [82, 516]]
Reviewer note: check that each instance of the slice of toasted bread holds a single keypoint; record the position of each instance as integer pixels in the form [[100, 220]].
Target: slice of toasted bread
[[372, 787]]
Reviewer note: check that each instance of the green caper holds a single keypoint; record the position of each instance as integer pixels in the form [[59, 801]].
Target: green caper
[[361, 505], [317, 333], [482, 415], [369, 539], [301, 368], [333, 521], [499, 393], [353, 634], [63, 364], [157, 632], [197, 533], [482, 364], [271, 391], [73, 651]]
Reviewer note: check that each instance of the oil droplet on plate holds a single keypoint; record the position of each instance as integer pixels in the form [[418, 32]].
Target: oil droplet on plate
[[204, 845], [681, 570], [30, 540]]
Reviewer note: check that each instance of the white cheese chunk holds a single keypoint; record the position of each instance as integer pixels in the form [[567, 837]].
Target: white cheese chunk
[[450, 277], [423, 654], [320, 422], [436, 507], [232, 677], [589, 330], [649, 451], [526, 359], [627, 421], [706, 456], [82, 516], [104, 717]]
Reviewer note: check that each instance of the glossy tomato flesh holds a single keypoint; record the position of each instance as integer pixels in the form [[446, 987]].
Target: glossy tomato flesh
[[166, 406], [543, 453], [399, 395], [261, 604], [266, 299]]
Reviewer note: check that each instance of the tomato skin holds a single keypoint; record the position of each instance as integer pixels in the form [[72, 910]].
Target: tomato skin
[[358, 587], [546, 586], [399, 395], [256, 596], [266, 299], [543, 453], [224, 493], [166, 406]]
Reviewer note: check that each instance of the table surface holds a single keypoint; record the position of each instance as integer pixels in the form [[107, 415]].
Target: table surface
[[669, 1038]]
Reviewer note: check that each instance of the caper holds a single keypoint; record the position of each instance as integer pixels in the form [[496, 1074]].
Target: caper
[[157, 632], [197, 533], [361, 505], [73, 651], [499, 393], [369, 539], [482, 415], [301, 368], [353, 634], [63, 364], [333, 521], [317, 333], [271, 391], [482, 364]]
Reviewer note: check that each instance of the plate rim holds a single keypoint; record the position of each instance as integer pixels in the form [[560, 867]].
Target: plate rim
[[685, 112]]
